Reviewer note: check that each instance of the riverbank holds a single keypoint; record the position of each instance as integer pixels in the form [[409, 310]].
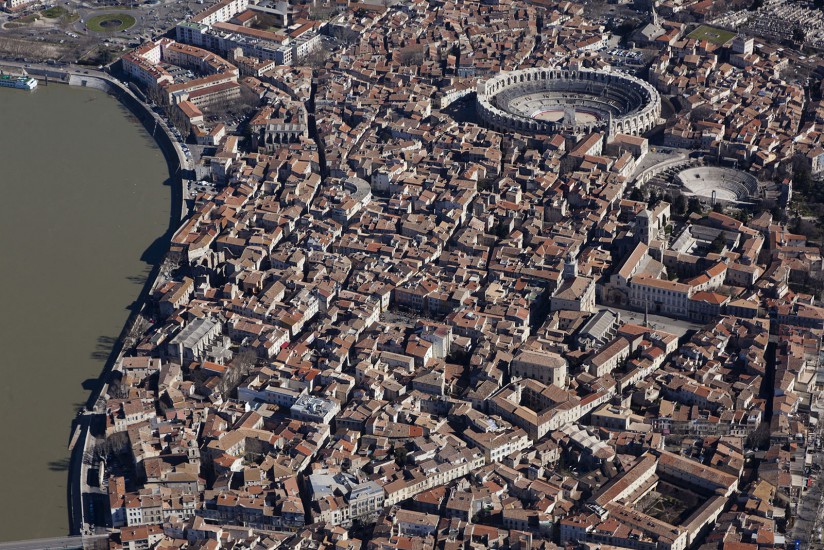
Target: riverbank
[[83, 427]]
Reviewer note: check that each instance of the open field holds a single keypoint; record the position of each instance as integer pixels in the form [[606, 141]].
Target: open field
[[54, 12], [26, 19], [711, 34]]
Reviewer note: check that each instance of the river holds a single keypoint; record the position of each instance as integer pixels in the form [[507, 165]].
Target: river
[[86, 204]]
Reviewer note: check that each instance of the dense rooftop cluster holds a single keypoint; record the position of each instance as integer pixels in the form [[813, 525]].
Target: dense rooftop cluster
[[742, 109], [401, 329]]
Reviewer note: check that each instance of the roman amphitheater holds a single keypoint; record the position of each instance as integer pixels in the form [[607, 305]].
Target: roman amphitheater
[[572, 101]]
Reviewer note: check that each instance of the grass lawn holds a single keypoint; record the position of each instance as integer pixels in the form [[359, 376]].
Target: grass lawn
[[110, 22], [55, 12], [711, 34], [27, 19]]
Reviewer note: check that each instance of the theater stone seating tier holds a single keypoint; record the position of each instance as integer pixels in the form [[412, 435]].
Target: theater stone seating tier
[[728, 185]]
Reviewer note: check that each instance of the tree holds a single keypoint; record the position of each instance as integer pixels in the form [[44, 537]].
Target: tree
[[171, 262], [410, 55], [795, 226], [679, 205], [779, 214], [718, 207], [486, 184], [802, 176], [568, 164], [384, 135], [178, 119], [701, 113], [89, 457], [317, 58], [636, 195], [242, 106], [104, 56], [266, 21], [718, 243], [799, 35], [236, 371], [624, 28], [118, 390], [115, 444], [694, 206], [400, 456], [154, 95]]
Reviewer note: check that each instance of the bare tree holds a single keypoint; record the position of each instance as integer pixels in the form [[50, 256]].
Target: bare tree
[[115, 444], [90, 457], [410, 55], [242, 106], [317, 58], [12, 47], [138, 327], [118, 390], [178, 119], [266, 21], [154, 95], [237, 370], [171, 262], [322, 12]]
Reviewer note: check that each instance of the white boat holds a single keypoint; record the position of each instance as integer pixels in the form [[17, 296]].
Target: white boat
[[19, 82]]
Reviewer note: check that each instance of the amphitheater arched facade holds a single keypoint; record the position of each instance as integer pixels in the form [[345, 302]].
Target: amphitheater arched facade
[[613, 102]]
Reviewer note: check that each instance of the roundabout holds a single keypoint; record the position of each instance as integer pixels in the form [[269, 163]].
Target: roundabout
[[110, 22], [545, 101]]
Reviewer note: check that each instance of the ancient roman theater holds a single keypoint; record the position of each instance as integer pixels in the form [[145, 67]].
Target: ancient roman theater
[[572, 101], [716, 184]]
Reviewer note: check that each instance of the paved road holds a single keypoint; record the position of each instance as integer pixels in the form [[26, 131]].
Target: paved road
[[51, 544]]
